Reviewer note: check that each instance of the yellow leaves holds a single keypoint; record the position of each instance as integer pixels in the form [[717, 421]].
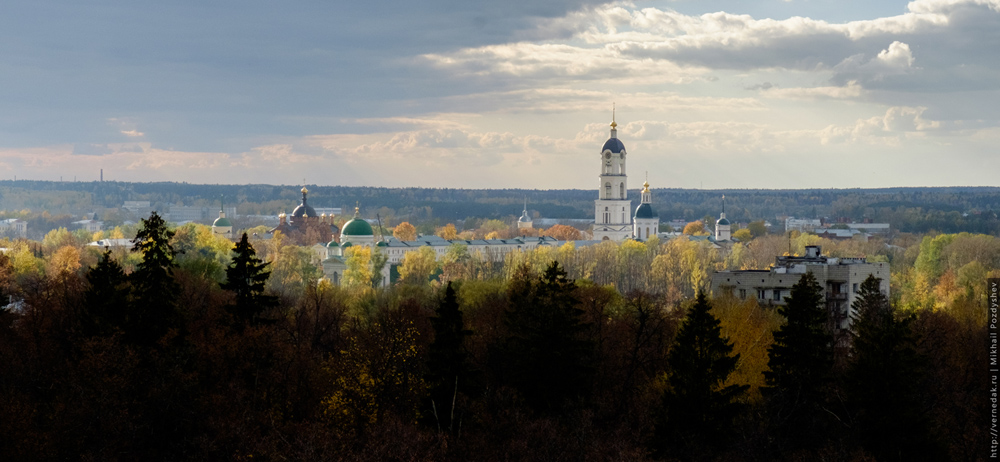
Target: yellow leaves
[[377, 370], [749, 327], [64, 261], [418, 265], [405, 232], [448, 232], [359, 266]]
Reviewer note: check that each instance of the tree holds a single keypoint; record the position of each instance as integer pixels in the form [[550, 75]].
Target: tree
[[246, 277], [359, 266], [549, 358], [883, 379], [563, 233], [405, 232], [447, 367], [800, 359], [153, 311], [378, 261], [418, 265], [106, 298], [757, 228], [448, 232], [743, 235], [699, 407], [695, 228]]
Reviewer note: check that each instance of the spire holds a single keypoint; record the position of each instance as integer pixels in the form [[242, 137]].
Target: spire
[[723, 207], [614, 125]]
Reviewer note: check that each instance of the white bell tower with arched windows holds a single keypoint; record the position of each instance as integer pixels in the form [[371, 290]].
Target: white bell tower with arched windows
[[612, 217]]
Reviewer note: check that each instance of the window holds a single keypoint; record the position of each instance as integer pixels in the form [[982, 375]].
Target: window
[[621, 190], [854, 288], [760, 294], [743, 293], [607, 190], [777, 295]]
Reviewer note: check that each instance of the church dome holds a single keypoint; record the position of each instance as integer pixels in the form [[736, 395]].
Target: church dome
[[645, 211], [722, 221], [304, 209], [524, 217], [357, 226], [332, 245], [221, 221], [614, 145]]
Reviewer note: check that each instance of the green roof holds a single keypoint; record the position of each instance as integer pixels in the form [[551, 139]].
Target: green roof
[[222, 221], [357, 227], [332, 244]]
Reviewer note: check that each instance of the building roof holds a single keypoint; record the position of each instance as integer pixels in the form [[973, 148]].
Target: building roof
[[614, 145], [722, 221], [645, 211], [221, 221], [357, 227]]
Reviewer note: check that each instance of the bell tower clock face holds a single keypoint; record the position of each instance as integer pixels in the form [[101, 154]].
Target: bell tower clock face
[[607, 155]]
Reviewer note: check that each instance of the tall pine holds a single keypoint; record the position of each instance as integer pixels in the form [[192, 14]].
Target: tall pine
[[883, 379], [800, 362], [549, 358], [154, 292], [448, 368], [106, 303], [246, 277], [698, 408]]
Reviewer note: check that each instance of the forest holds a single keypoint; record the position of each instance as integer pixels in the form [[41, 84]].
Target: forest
[[188, 347], [913, 210]]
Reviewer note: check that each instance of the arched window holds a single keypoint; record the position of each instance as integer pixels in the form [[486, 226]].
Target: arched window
[[607, 190], [621, 190]]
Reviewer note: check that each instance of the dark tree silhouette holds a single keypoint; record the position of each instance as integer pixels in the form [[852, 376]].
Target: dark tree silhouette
[[698, 408], [883, 379], [153, 311], [448, 368], [106, 299], [246, 277], [801, 356], [548, 355], [800, 362]]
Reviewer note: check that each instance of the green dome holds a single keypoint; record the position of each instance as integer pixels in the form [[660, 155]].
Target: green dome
[[722, 221], [332, 244], [346, 245], [382, 244], [222, 221], [357, 227]]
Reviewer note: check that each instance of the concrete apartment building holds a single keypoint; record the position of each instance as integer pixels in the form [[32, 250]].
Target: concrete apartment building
[[840, 279]]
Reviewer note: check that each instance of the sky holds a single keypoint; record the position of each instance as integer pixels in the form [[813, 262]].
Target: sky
[[707, 94]]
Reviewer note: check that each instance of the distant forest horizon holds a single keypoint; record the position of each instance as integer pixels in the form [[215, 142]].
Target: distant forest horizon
[[906, 209]]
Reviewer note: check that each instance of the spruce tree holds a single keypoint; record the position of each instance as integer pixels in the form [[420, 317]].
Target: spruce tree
[[448, 369], [800, 362], [548, 355], [801, 356], [883, 378], [246, 276], [698, 408], [153, 311], [106, 299]]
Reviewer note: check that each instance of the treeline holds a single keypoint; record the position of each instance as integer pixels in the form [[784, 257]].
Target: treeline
[[162, 355], [918, 210]]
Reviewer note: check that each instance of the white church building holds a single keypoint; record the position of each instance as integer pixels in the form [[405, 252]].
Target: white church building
[[612, 220]]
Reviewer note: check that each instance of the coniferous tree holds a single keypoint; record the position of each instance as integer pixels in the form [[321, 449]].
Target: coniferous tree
[[801, 356], [153, 311], [448, 369], [246, 277], [883, 379], [698, 408], [549, 358], [106, 299], [800, 360]]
